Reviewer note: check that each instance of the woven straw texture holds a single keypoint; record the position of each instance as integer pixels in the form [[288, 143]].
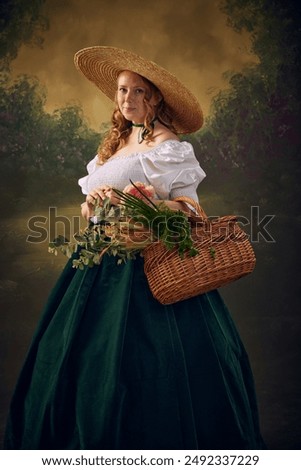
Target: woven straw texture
[[102, 65], [225, 255]]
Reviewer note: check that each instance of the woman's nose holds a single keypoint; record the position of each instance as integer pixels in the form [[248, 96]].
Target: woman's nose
[[129, 96]]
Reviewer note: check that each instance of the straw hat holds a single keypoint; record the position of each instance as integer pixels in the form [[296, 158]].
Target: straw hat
[[102, 65]]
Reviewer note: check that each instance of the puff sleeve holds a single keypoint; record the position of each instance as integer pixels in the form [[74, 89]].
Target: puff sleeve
[[91, 167], [173, 170]]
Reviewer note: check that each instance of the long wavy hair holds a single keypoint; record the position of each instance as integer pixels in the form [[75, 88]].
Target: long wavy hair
[[121, 128]]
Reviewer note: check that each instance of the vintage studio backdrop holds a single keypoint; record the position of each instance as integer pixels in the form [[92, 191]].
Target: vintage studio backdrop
[[242, 61]]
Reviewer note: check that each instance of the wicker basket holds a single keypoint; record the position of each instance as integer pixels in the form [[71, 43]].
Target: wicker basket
[[225, 254]]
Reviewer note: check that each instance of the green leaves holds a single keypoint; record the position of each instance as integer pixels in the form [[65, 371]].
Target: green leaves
[[212, 252], [169, 226], [27, 134], [125, 230]]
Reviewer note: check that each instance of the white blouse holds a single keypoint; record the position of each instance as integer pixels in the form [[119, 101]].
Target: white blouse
[[171, 168]]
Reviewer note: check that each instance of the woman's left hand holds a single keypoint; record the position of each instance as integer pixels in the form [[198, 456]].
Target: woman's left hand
[[175, 206]]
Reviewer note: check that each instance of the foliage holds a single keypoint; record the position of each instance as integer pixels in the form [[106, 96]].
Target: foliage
[[171, 227], [21, 22], [125, 230], [38, 148], [251, 141], [109, 233], [249, 146]]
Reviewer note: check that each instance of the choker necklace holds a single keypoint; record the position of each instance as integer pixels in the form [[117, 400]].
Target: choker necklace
[[143, 131], [137, 125]]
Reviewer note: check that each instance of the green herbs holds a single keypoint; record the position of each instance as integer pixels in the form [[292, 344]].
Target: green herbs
[[125, 230], [169, 226]]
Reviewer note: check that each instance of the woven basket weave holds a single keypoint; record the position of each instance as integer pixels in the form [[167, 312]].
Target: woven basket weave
[[225, 255]]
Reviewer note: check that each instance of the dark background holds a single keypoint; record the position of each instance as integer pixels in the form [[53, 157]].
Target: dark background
[[249, 148]]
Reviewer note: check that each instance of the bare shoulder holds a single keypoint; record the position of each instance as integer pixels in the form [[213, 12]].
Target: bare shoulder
[[162, 133]]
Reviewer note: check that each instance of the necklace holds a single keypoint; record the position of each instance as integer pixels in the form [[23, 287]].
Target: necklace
[[143, 131]]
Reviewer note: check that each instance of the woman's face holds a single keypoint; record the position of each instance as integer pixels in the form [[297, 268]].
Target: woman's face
[[131, 93]]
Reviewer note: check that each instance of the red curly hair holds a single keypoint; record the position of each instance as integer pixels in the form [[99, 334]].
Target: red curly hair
[[121, 127]]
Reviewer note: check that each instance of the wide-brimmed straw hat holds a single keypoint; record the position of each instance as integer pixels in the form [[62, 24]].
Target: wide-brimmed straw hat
[[102, 65]]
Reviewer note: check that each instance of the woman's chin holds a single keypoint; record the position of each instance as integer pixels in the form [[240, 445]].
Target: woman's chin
[[132, 116]]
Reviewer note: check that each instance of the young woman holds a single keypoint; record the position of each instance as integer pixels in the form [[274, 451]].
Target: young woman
[[109, 366]]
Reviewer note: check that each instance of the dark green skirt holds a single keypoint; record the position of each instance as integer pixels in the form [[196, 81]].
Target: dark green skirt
[[111, 368]]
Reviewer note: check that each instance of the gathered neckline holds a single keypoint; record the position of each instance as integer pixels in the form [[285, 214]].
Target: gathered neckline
[[146, 151]]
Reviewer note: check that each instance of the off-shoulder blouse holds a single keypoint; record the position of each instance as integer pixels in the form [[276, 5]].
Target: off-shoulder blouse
[[171, 168]]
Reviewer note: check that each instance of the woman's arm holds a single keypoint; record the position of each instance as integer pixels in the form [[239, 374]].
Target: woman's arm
[[175, 205]]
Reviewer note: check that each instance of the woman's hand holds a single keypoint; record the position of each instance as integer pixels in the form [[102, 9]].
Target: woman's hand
[[102, 193], [175, 205], [98, 195]]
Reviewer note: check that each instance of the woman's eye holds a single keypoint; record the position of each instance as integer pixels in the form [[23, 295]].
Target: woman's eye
[[137, 91]]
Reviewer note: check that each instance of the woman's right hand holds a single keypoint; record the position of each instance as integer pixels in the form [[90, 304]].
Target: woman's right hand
[[98, 195], [101, 193]]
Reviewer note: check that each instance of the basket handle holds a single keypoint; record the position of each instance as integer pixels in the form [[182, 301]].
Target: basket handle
[[199, 210]]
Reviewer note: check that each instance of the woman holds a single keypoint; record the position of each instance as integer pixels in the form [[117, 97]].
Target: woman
[[109, 366]]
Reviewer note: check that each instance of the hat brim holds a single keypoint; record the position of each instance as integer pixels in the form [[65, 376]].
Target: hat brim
[[102, 65]]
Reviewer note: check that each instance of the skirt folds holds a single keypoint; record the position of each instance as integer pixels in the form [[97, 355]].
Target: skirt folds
[[109, 367]]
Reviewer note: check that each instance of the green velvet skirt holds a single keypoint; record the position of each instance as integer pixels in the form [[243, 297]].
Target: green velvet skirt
[[109, 367]]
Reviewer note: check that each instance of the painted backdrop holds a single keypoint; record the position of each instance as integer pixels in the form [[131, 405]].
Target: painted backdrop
[[241, 58]]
